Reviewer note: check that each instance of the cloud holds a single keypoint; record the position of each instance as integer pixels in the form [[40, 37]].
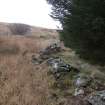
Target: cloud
[[33, 12]]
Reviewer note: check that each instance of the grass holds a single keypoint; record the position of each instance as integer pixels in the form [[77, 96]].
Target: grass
[[65, 87], [23, 83], [9, 49]]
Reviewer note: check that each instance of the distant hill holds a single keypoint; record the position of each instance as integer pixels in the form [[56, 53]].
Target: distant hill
[[23, 29]]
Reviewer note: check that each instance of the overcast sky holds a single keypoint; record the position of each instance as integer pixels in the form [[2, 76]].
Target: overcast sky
[[33, 12]]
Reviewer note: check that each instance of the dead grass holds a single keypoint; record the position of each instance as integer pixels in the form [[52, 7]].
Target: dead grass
[[16, 44], [21, 82]]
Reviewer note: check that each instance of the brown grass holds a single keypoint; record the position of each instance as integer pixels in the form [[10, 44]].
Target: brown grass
[[21, 82], [13, 44]]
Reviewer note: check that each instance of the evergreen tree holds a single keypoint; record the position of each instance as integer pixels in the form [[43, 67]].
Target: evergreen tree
[[83, 26]]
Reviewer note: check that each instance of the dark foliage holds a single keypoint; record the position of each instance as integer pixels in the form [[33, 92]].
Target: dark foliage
[[83, 26]]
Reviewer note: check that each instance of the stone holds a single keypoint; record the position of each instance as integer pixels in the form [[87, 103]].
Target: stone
[[97, 98], [51, 49], [78, 91], [82, 80], [53, 60], [76, 100], [58, 65]]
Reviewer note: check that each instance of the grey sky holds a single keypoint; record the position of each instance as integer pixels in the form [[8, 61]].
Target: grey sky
[[33, 12]]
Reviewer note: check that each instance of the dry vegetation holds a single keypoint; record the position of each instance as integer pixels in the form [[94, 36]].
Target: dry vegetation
[[23, 83]]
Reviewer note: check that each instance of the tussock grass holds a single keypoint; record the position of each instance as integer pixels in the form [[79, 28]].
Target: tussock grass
[[21, 82]]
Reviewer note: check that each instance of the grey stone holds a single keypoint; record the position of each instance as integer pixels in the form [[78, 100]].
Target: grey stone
[[58, 65], [53, 48], [46, 53], [78, 91], [98, 98], [82, 80], [53, 60]]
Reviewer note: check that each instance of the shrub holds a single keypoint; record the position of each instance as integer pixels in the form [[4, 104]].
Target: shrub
[[19, 29]]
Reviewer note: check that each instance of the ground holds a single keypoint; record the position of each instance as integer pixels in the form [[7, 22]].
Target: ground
[[21, 82], [24, 83]]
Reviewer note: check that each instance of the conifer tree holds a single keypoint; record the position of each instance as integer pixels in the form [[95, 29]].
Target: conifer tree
[[83, 23]]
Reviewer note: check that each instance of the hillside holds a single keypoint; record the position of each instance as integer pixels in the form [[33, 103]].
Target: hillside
[[21, 82], [24, 83], [11, 28]]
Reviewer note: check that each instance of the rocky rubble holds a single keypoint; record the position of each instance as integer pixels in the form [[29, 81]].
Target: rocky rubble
[[58, 66], [82, 81], [97, 98], [79, 91], [77, 101], [52, 49], [46, 53]]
